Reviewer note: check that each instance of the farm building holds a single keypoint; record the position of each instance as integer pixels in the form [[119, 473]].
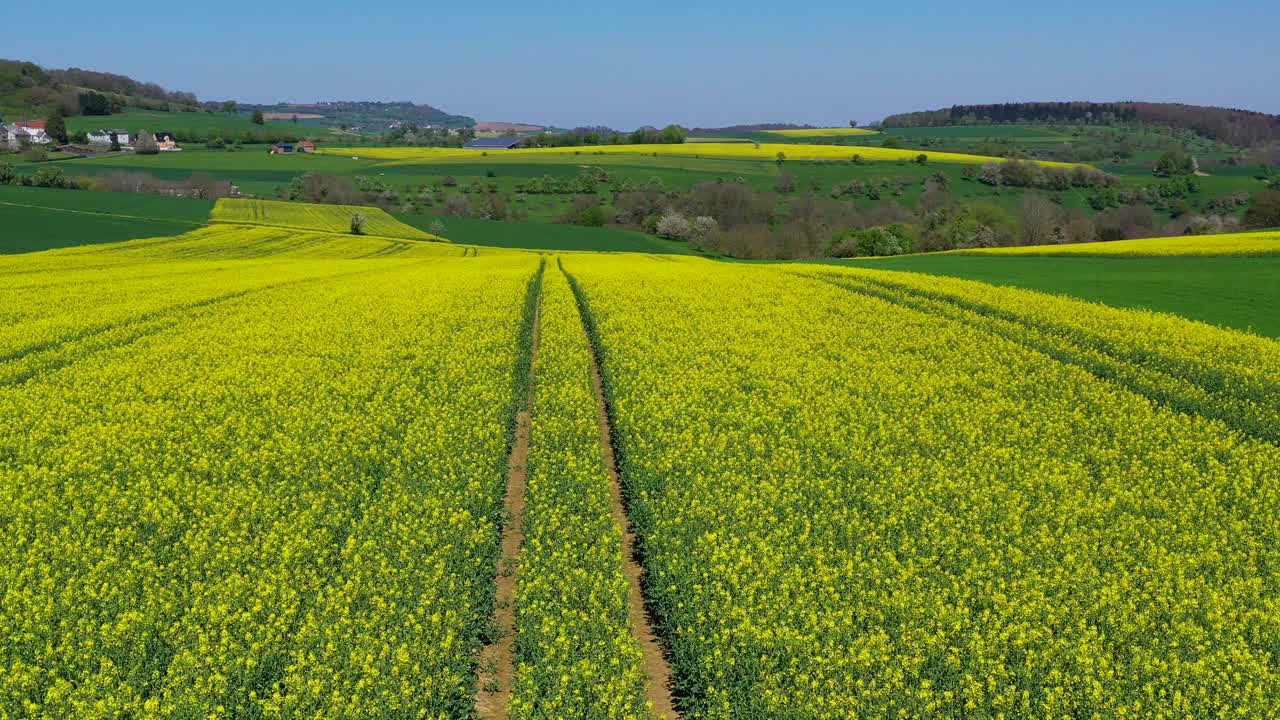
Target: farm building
[[280, 149], [493, 143], [103, 137], [306, 146], [30, 133], [166, 141]]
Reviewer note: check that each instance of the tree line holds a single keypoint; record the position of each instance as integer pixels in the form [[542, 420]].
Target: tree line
[[1244, 128]]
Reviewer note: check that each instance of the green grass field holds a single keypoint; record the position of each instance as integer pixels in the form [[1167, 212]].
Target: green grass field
[[1241, 293], [38, 219], [546, 236], [176, 122]]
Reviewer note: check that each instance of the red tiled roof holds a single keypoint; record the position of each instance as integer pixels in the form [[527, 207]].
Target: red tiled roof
[[33, 125]]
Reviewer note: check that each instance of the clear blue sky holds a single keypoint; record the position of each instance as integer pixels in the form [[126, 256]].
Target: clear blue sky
[[698, 63]]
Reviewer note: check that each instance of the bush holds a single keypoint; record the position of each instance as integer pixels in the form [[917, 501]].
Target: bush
[[358, 222], [895, 239], [52, 177], [8, 173], [437, 228], [1264, 210], [585, 210]]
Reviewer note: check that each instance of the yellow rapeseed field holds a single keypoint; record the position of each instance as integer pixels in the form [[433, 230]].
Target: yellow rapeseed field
[[727, 150], [856, 504], [307, 216], [1250, 243], [574, 638], [255, 471]]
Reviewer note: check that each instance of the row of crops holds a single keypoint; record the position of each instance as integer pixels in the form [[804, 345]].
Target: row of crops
[[574, 640], [250, 472], [868, 494]]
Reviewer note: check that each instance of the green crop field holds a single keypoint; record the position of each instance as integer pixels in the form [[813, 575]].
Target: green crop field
[[1237, 292], [39, 219], [176, 122], [546, 236]]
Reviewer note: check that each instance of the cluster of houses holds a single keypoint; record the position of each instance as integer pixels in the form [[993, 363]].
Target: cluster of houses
[[304, 146], [19, 134], [164, 141]]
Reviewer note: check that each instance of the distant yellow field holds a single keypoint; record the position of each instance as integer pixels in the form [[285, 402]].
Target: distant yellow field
[[823, 132], [1256, 243], [730, 150], [326, 218]]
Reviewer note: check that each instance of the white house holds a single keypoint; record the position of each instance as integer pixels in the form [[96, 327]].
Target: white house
[[103, 137], [30, 133]]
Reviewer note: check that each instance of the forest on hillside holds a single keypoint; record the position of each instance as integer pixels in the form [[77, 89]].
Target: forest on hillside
[[1245, 128]]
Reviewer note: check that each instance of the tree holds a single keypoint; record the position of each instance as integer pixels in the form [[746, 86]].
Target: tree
[[853, 123], [146, 144], [358, 222], [1039, 220], [673, 135], [229, 107], [703, 232], [115, 142], [921, 159], [1174, 163], [93, 103], [257, 118], [674, 226], [1264, 210], [8, 173], [56, 128]]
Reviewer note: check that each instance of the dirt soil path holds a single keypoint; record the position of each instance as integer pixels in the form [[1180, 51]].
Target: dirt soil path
[[659, 690], [495, 676]]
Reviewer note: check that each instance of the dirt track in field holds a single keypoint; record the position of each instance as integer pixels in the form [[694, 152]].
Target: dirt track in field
[[659, 690], [495, 675]]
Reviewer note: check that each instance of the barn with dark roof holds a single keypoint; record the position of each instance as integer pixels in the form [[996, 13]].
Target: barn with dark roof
[[493, 143]]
